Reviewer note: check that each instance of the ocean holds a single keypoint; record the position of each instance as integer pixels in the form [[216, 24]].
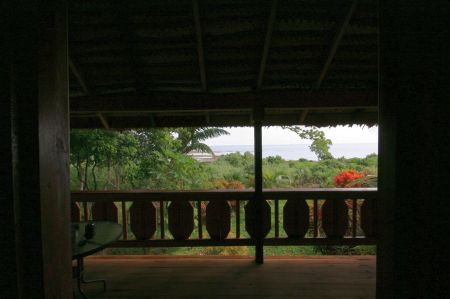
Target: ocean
[[297, 151]]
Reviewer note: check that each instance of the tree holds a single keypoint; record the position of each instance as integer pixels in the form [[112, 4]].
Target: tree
[[94, 149], [154, 146], [320, 145], [191, 138], [150, 158], [80, 151], [125, 158]]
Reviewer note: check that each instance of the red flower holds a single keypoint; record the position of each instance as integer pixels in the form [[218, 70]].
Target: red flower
[[344, 178]]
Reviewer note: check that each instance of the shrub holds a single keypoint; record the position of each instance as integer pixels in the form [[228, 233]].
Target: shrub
[[344, 178]]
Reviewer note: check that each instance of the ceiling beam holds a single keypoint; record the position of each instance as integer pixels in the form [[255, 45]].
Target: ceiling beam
[[204, 102], [316, 118], [334, 45], [200, 48], [78, 76], [267, 40]]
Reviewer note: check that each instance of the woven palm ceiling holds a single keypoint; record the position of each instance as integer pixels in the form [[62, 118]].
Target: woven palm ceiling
[[197, 63]]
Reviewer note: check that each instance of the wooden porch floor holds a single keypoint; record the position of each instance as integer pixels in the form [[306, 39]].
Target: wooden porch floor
[[236, 277]]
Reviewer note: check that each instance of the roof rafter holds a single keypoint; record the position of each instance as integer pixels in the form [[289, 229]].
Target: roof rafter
[[267, 40], [332, 51], [200, 48], [78, 76], [103, 120], [86, 91], [334, 45]]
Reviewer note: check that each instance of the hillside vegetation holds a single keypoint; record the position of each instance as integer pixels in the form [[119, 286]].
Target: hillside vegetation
[[158, 160]]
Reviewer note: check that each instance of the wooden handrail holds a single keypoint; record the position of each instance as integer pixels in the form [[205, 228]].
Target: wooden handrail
[[208, 195], [161, 195]]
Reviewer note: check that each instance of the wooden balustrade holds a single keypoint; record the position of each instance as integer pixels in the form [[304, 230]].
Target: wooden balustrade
[[213, 218]]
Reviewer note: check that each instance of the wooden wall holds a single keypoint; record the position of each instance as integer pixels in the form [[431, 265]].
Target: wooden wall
[[413, 252], [37, 141]]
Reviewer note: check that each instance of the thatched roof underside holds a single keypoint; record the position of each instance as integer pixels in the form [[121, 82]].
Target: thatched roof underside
[[199, 63]]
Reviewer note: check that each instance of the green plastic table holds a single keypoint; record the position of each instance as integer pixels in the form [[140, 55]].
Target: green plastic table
[[105, 233]]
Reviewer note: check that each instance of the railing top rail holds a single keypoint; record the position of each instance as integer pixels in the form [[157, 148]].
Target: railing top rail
[[313, 193], [321, 193]]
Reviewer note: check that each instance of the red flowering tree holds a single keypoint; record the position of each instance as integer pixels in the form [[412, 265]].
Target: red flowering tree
[[346, 177]]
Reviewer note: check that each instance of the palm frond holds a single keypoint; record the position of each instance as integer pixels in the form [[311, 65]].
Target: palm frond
[[201, 147], [201, 134]]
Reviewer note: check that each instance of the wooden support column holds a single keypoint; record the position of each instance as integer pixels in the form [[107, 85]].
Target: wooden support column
[[258, 196], [8, 269], [413, 249], [36, 142]]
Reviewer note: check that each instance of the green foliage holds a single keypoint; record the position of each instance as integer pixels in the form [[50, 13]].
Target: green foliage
[[273, 160], [148, 159], [113, 151], [233, 167], [279, 173]]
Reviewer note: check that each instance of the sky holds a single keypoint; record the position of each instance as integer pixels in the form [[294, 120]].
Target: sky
[[277, 135]]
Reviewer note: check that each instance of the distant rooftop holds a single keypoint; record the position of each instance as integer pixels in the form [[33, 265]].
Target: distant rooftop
[[202, 157]]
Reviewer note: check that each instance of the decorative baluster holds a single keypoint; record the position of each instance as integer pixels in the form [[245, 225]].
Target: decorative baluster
[[105, 211], [335, 218], [181, 219], [238, 219], [354, 217], [250, 218], [161, 219], [75, 212], [218, 216], [143, 219], [296, 218], [86, 211], [124, 221], [199, 219], [277, 218], [368, 219], [315, 218]]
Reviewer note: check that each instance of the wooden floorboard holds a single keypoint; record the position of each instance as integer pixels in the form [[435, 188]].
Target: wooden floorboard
[[217, 277]]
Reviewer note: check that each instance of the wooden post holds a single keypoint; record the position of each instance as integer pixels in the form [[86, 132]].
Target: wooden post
[[413, 207], [8, 256], [36, 109], [259, 244]]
